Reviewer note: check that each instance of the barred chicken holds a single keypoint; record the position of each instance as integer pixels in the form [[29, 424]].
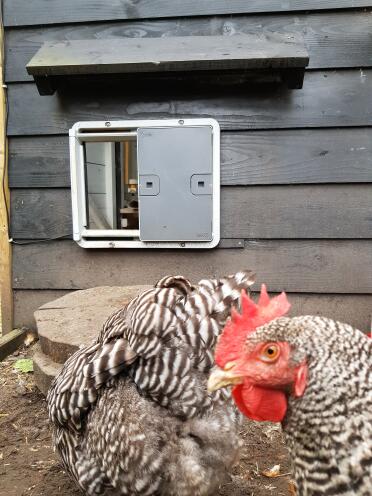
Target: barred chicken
[[315, 376], [131, 413]]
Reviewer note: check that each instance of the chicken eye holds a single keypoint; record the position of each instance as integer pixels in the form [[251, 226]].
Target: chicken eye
[[270, 352]]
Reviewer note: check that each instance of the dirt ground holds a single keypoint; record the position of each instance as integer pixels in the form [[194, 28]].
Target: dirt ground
[[29, 467]]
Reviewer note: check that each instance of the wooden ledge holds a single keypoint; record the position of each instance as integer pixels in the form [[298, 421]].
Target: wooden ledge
[[135, 58], [11, 342]]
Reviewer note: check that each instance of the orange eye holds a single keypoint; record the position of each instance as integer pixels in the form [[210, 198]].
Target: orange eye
[[270, 352]]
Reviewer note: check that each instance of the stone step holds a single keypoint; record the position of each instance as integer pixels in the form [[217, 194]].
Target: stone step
[[65, 324], [45, 369]]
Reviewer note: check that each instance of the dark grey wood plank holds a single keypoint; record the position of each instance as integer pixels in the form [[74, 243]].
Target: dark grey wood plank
[[181, 53], [11, 341], [40, 213], [352, 309], [333, 39], [21, 12], [255, 212], [39, 162], [247, 158], [328, 99], [297, 212], [25, 303], [294, 266], [296, 156]]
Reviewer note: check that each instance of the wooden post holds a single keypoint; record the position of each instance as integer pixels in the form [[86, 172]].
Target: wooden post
[[6, 297]]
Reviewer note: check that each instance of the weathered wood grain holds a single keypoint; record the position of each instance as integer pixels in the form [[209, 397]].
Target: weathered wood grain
[[328, 99], [39, 162], [297, 212], [21, 12], [206, 60], [247, 158], [333, 39], [352, 309], [296, 156], [180, 53], [294, 266], [256, 212], [40, 214]]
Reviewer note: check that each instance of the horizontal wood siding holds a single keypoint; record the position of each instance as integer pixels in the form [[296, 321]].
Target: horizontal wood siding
[[309, 266], [262, 212], [296, 166], [331, 98], [39, 214], [247, 158], [344, 308], [297, 156], [333, 39], [39, 162], [21, 12]]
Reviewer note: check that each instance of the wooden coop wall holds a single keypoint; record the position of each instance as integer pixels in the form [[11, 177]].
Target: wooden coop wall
[[296, 200]]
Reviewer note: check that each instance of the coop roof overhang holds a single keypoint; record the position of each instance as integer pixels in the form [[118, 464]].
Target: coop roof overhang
[[276, 57]]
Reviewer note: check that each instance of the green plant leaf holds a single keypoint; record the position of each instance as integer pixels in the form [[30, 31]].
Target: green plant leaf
[[24, 365]]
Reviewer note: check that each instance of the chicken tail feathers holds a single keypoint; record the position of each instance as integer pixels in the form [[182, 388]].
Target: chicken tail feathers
[[75, 389]]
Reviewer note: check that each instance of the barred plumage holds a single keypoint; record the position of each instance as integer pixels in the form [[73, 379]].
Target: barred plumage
[[329, 429], [131, 413]]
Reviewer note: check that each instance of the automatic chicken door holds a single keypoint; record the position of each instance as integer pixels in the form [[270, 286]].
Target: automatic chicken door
[[146, 184]]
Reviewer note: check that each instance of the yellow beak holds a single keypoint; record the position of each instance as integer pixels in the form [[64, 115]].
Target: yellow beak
[[222, 378]]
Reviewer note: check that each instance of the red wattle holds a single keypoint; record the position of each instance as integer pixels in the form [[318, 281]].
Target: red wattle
[[259, 403]]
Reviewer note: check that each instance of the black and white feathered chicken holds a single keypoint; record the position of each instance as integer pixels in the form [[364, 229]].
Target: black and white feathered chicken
[[315, 376], [131, 413]]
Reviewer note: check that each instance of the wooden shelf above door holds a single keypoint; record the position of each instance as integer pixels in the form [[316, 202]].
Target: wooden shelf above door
[[215, 59]]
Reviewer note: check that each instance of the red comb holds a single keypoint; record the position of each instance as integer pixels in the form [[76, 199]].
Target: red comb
[[253, 315]]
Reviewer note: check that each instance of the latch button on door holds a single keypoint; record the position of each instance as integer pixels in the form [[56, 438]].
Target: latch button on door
[[149, 185], [201, 184]]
